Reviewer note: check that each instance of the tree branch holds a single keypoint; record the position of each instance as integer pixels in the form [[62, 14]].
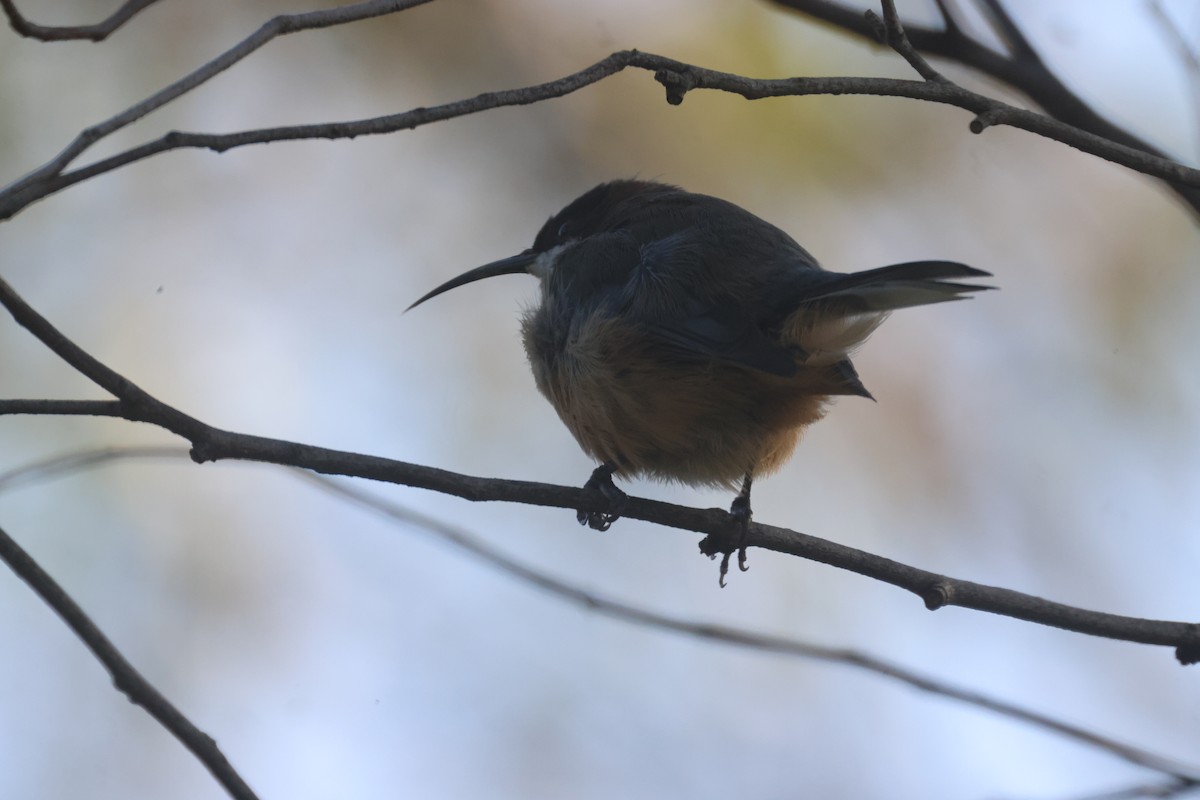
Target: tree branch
[[277, 26], [890, 32], [86, 408], [127, 679], [56, 33], [85, 459], [497, 560], [1022, 69], [1158, 789], [677, 78], [937, 591], [750, 640], [1077, 126]]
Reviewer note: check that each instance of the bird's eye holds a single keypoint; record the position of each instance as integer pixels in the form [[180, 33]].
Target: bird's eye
[[562, 231]]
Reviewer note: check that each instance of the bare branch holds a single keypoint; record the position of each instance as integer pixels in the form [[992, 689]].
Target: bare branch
[[1159, 790], [73, 462], [133, 401], [1187, 54], [277, 26], [751, 640], [1023, 70], [60, 33], [891, 32], [1077, 126], [494, 558], [948, 20], [86, 408], [677, 77], [1019, 46], [937, 591], [127, 679]]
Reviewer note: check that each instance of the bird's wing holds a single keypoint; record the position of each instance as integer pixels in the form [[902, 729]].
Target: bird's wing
[[720, 330], [690, 306]]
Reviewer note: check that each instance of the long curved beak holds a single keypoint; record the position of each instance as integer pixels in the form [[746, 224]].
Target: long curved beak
[[505, 266]]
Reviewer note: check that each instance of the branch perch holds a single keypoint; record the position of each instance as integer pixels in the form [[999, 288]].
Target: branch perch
[[1077, 126], [937, 591], [1181, 775]]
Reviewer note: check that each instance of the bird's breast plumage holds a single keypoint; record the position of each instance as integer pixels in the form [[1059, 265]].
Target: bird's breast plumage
[[635, 401]]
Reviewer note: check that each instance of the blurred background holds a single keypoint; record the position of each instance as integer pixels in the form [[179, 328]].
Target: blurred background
[[1044, 438]]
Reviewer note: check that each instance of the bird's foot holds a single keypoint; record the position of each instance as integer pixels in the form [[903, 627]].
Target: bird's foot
[[602, 482], [732, 540]]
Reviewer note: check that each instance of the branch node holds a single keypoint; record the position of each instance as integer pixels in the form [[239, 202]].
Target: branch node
[[891, 29], [1189, 654], [877, 29], [985, 120], [938, 595], [677, 83], [201, 451]]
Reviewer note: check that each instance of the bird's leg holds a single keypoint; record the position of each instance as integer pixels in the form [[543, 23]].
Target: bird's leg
[[735, 541], [740, 511], [602, 482]]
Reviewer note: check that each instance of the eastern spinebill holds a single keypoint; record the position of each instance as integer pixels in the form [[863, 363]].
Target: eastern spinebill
[[680, 337]]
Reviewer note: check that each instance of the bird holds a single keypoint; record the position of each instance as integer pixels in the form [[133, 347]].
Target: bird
[[682, 338]]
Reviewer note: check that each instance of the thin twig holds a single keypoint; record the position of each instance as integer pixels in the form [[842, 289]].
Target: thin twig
[[61, 33], [127, 679], [1187, 53], [937, 591], [678, 78], [1158, 790], [1022, 70], [948, 20], [71, 463], [1019, 46], [891, 32], [749, 639], [64, 465], [209, 443], [87, 408], [275, 27]]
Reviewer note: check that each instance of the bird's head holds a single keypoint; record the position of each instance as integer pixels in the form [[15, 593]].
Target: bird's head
[[602, 209]]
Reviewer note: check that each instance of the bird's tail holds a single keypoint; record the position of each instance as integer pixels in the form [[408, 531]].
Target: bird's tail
[[833, 315], [915, 283]]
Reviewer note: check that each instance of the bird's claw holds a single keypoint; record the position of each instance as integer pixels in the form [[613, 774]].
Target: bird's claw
[[731, 541], [602, 482], [596, 520]]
